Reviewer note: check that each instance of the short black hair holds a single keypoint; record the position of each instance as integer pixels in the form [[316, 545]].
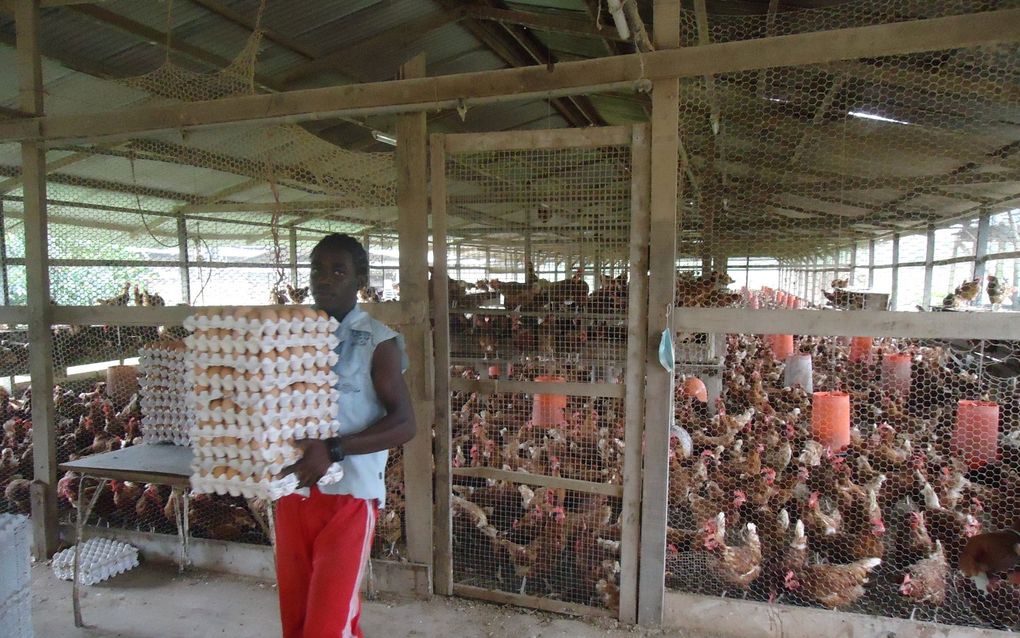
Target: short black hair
[[351, 246]]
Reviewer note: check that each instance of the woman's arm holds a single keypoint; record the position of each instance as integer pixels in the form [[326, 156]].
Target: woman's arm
[[395, 428]]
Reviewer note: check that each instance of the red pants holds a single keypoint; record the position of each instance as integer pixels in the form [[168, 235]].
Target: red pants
[[322, 544]]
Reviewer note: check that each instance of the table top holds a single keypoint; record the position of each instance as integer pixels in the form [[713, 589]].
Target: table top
[[148, 463]]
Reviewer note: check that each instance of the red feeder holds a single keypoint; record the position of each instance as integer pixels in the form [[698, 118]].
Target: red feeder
[[781, 298], [896, 373], [830, 419], [547, 409], [754, 301], [860, 349], [782, 346], [977, 432]]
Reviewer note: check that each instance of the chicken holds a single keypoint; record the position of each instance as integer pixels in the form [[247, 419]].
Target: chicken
[[737, 566], [833, 586], [840, 283], [996, 290], [297, 295], [989, 554], [19, 495], [925, 580], [968, 290], [950, 527], [278, 296], [120, 300], [125, 496], [390, 530], [149, 506]]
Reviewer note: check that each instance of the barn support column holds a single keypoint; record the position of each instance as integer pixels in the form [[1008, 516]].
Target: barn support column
[[665, 154], [895, 292], [981, 249], [929, 266], [871, 264], [40, 359], [182, 257], [412, 206], [293, 256]]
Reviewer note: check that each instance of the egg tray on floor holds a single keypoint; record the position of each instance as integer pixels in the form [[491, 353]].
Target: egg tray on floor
[[101, 558], [15, 561], [260, 378], [163, 385], [16, 615]]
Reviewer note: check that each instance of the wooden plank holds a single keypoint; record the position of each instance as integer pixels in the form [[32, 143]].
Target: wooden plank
[[524, 478], [392, 313], [494, 386], [957, 325], [13, 315], [567, 78], [535, 602], [663, 222], [411, 158], [40, 355], [544, 22], [637, 340], [540, 139], [443, 522]]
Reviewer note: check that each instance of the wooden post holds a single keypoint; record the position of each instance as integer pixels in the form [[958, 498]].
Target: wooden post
[[3, 259], [981, 249], [665, 153], [894, 293], [929, 266], [182, 257], [412, 206], [443, 532], [871, 264], [852, 277], [634, 405], [293, 257], [40, 359]]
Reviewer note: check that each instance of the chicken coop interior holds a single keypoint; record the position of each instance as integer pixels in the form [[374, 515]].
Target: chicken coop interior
[[710, 304]]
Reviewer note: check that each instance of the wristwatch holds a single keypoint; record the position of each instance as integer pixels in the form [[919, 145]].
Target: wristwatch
[[336, 451]]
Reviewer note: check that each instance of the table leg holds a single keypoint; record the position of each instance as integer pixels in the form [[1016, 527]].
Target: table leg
[[271, 515], [181, 507], [186, 497], [81, 517]]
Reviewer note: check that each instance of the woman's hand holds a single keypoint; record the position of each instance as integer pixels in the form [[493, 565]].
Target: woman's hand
[[312, 465]]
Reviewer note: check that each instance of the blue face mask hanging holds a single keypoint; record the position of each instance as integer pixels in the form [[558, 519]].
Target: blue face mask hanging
[[666, 355]]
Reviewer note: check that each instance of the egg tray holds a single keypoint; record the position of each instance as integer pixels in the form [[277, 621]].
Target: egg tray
[[274, 364], [101, 558], [301, 396], [16, 615], [166, 435], [15, 561], [233, 380], [257, 486], [248, 443], [163, 367], [268, 321], [231, 342]]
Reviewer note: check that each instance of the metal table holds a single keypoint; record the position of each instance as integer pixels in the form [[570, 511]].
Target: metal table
[[162, 464]]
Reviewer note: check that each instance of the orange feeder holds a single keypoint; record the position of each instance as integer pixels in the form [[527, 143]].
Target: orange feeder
[[780, 298], [121, 384], [695, 387], [860, 349], [547, 409], [494, 372], [977, 432], [782, 346], [896, 373], [791, 301], [754, 301], [830, 419]]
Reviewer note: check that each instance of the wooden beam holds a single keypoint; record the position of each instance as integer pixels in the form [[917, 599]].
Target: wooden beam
[[495, 386], [525, 478], [585, 76], [545, 21], [443, 560], [663, 224], [637, 343], [411, 158], [40, 356]]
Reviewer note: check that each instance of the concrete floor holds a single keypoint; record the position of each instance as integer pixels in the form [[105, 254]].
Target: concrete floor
[[154, 601]]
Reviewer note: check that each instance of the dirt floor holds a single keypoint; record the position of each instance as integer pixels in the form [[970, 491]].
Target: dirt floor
[[154, 601]]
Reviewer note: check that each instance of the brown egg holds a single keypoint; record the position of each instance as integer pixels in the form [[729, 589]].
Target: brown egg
[[232, 473], [219, 471], [268, 314]]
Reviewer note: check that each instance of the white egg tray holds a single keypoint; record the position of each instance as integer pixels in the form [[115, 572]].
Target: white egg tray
[[101, 558], [166, 416], [15, 561], [206, 402], [257, 443], [250, 487], [231, 379], [16, 616], [233, 342], [265, 321], [272, 364]]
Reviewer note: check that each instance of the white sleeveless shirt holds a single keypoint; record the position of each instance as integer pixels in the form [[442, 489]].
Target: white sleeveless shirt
[[359, 334]]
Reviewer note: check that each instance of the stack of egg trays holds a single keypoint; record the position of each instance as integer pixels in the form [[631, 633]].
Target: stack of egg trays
[[101, 558], [15, 579], [261, 378], [166, 414]]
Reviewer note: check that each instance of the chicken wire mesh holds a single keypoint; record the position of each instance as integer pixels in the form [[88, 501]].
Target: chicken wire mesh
[[874, 184], [538, 241]]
